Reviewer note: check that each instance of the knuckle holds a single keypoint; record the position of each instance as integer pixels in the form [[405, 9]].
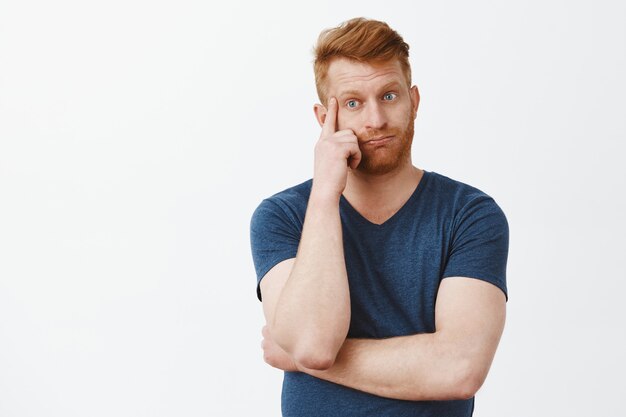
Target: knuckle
[[269, 359], [320, 146]]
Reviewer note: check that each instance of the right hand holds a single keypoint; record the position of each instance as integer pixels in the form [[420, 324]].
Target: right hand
[[335, 152]]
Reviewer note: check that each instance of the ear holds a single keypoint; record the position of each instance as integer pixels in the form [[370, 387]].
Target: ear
[[415, 100], [320, 113]]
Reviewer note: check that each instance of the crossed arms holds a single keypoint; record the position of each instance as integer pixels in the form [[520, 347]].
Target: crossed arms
[[306, 304]]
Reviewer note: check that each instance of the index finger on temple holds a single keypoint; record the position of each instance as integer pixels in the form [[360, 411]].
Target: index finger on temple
[[330, 123]]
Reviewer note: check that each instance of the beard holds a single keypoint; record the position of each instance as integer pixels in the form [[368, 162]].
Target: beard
[[384, 159]]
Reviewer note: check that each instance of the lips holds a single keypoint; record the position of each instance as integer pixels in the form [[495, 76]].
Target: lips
[[379, 141]]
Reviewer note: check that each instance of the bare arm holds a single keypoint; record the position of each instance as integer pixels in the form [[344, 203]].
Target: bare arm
[[309, 318], [312, 313], [451, 363]]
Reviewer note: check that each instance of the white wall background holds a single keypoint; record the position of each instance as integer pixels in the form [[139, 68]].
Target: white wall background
[[137, 137]]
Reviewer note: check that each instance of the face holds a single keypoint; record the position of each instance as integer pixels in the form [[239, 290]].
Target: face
[[378, 105]]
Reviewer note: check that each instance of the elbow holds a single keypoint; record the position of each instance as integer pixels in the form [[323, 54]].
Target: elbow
[[467, 382], [466, 389], [315, 356], [314, 361], [311, 350]]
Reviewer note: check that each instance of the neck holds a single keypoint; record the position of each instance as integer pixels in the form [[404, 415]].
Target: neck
[[382, 190]]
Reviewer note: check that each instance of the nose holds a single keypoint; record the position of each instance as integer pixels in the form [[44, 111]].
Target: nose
[[375, 117]]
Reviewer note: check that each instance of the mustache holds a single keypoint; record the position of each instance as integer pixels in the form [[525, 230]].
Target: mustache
[[378, 133]]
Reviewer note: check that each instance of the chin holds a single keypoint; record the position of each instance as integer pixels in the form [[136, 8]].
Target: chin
[[378, 164], [389, 159], [380, 167]]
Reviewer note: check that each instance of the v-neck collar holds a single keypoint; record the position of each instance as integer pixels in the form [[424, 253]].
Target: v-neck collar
[[414, 196]]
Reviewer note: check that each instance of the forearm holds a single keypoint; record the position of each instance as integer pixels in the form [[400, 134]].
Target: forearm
[[312, 314], [451, 363], [418, 367]]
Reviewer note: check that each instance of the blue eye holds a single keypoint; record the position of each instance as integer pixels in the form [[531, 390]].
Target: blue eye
[[352, 103], [389, 96]]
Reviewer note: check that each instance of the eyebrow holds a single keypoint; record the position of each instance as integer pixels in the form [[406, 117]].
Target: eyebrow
[[390, 85], [348, 93]]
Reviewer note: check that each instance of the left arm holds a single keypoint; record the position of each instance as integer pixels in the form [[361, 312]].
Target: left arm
[[450, 363]]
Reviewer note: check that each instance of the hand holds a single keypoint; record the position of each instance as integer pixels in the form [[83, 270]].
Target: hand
[[335, 151], [274, 355]]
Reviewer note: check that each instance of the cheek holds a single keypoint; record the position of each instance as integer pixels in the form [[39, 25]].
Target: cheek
[[404, 117], [347, 120]]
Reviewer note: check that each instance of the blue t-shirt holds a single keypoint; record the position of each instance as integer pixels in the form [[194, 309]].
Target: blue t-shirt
[[445, 229]]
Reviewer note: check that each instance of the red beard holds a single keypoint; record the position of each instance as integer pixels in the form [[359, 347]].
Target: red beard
[[384, 159]]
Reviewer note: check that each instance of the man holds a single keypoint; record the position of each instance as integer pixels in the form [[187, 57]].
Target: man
[[383, 285]]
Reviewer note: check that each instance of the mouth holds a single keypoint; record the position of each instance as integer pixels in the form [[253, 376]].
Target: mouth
[[378, 141]]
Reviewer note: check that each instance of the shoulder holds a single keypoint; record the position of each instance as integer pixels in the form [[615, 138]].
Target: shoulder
[[479, 234], [453, 190], [292, 196], [289, 203], [459, 195]]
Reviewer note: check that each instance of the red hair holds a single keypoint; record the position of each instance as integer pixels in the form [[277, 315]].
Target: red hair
[[361, 40]]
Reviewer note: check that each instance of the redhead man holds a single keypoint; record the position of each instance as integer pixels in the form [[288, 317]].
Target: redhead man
[[383, 284]]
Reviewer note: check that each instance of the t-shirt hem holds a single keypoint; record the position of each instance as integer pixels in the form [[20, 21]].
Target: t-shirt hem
[[492, 280], [269, 265]]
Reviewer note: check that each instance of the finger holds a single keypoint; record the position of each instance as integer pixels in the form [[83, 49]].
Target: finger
[[351, 154], [345, 136], [330, 122], [355, 157], [354, 160]]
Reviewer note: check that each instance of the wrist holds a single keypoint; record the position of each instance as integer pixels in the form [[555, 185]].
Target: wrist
[[324, 195]]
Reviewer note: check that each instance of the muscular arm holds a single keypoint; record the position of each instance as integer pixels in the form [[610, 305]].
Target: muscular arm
[[307, 306], [451, 363], [312, 314], [309, 318]]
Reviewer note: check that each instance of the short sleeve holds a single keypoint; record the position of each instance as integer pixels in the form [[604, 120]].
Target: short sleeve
[[480, 243], [274, 237]]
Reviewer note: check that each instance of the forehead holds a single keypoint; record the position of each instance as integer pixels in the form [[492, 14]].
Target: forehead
[[344, 74]]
